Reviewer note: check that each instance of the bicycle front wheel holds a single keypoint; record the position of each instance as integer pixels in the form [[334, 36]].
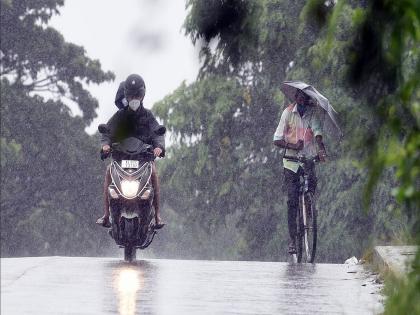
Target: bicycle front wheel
[[309, 228], [300, 231]]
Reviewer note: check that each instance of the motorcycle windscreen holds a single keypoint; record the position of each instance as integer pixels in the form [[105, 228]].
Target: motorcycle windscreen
[[134, 182]]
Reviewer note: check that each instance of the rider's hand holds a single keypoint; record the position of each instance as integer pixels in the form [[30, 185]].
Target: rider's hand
[[157, 152], [297, 146], [106, 148], [322, 155]]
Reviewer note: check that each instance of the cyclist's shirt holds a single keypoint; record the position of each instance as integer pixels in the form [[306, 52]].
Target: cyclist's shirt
[[292, 128]]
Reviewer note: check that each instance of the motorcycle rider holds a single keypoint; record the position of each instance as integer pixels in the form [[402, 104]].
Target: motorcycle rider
[[299, 126], [134, 120]]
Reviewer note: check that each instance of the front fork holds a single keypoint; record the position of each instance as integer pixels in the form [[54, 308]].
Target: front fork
[[303, 191], [304, 215]]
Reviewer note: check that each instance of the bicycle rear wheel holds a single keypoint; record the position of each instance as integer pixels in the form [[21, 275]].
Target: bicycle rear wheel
[[309, 228]]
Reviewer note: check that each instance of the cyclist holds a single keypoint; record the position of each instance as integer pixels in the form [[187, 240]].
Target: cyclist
[[299, 130]]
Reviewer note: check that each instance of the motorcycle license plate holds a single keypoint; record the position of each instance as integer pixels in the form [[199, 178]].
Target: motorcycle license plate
[[129, 164]]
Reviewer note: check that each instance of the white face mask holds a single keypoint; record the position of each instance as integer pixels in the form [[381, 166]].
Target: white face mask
[[134, 104]]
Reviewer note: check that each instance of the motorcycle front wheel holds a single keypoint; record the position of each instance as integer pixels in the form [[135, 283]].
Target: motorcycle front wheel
[[129, 231], [129, 253]]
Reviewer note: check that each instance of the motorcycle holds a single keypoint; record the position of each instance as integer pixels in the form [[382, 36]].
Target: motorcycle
[[131, 194]]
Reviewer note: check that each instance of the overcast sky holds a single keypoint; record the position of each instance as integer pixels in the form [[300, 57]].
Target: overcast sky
[[131, 36]]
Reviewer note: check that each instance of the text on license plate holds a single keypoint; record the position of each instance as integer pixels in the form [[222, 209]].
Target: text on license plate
[[129, 164]]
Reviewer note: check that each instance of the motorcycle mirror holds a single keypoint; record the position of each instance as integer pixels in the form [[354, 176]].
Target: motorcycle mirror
[[103, 128], [160, 131]]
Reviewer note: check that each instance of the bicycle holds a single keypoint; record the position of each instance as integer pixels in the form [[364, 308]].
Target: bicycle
[[307, 215]]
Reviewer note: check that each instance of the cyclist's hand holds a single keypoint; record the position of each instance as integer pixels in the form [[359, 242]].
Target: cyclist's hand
[[299, 145], [322, 155], [106, 148]]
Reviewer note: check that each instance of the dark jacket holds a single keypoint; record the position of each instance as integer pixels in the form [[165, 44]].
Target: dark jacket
[[140, 124], [120, 97]]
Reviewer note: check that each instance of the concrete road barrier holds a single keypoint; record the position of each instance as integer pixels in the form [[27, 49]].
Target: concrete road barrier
[[395, 259]]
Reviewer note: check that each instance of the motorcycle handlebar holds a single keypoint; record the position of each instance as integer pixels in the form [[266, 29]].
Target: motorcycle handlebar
[[105, 155]]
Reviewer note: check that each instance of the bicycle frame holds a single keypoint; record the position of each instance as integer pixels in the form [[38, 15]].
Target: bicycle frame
[[304, 228]]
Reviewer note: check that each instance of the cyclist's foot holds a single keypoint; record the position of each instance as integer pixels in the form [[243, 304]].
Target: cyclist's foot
[[292, 247]]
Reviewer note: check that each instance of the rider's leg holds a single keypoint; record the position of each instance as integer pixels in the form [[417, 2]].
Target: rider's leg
[[292, 185], [156, 198], [312, 180], [104, 220]]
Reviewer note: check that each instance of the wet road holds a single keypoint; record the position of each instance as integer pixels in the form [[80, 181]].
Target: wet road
[[70, 285]]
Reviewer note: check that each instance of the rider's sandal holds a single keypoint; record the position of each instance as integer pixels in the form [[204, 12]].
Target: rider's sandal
[[103, 221], [158, 226]]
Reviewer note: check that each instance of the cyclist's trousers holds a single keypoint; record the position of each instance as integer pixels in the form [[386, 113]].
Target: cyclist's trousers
[[291, 180]]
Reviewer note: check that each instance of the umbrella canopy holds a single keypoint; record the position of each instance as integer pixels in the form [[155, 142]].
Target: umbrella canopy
[[289, 88]]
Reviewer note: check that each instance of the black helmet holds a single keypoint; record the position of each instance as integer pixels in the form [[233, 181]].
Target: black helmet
[[134, 86]]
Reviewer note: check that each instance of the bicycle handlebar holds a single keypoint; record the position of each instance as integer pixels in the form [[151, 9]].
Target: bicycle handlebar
[[302, 159]]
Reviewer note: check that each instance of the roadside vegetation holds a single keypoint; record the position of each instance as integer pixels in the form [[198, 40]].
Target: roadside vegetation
[[50, 173], [223, 171]]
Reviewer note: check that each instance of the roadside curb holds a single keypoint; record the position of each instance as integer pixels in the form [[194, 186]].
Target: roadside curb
[[394, 259]]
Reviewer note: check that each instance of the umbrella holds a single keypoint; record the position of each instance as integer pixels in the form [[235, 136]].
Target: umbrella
[[289, 89]]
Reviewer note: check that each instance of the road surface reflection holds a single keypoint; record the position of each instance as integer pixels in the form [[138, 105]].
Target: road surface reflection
[[83, 285], [128, 281]]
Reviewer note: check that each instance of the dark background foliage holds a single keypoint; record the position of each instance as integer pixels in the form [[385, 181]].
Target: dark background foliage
[[222, 179], [50, 175]]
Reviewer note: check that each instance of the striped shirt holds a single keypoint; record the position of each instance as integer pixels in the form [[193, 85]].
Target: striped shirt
[[292, 128]]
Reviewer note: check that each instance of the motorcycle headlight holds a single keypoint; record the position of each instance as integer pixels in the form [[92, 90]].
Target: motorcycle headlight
[[130, 188]]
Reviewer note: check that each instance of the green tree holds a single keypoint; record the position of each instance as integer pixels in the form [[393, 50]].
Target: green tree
[[50, 175], [250, 48], [384, 69]]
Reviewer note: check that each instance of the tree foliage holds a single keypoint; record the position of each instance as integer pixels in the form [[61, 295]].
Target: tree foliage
[[50, 175], [384, 69], [223, 124], [222, 178], [36, 58]]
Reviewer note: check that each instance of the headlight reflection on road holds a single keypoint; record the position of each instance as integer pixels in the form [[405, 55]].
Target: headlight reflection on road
[[128, 282]]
